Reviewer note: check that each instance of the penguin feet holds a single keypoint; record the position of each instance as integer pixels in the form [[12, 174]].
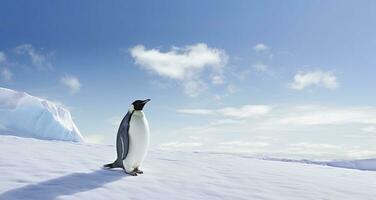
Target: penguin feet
[[111, 165], [133, 173], [138, 171]]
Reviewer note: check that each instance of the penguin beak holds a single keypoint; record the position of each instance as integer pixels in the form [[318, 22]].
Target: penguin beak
[[145, 101]]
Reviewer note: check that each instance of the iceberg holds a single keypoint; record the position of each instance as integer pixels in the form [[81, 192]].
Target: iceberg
[[27, 116]]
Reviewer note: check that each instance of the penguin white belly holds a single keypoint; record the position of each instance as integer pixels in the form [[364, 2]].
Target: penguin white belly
[[138, 141]]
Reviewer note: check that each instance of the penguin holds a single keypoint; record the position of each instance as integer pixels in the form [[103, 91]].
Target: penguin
[[132, 140]]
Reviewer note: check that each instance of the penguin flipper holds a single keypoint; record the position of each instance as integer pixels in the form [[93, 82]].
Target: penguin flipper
[[122, 145], [122, 141]]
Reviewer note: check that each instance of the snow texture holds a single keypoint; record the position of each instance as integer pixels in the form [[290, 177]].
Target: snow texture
[[44, 170], [24, 115]]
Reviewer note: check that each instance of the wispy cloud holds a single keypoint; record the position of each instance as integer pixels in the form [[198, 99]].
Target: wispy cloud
[[194, 88], [184, 64], [295, 123], [322, 115], [38, 59], [246, 111], [196, 111], [260, 47], [231, 89], [217, 80], [260, 67], [262, 58], [72, 83], [5, 74], [304, 115], [2, 57], [227, 122], [329, 117], [314, 78]]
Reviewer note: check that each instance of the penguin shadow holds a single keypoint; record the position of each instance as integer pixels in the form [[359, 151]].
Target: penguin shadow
[[65, 185]]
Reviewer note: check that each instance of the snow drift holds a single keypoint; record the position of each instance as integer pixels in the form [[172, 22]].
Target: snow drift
[[24, 115]]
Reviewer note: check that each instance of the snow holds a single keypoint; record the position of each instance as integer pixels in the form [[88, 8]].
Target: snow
[[365, 164], [41, 170], [24, 115]]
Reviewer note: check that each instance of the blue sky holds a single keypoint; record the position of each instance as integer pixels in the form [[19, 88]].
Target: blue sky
[[260, 77]]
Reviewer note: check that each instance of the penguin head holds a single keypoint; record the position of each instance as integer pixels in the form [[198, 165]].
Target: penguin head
[[139, 104]]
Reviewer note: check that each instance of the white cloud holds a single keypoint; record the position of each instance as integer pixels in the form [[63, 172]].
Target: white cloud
[[183, 64], [305, 115], [260, 47], [217, 80], [38, 59], [194, 88], [179, 63], [230, 89], [72, 83], [2, 57], [6, 74], [246, 111], [318, 78], [264, 57], [196, 111]]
